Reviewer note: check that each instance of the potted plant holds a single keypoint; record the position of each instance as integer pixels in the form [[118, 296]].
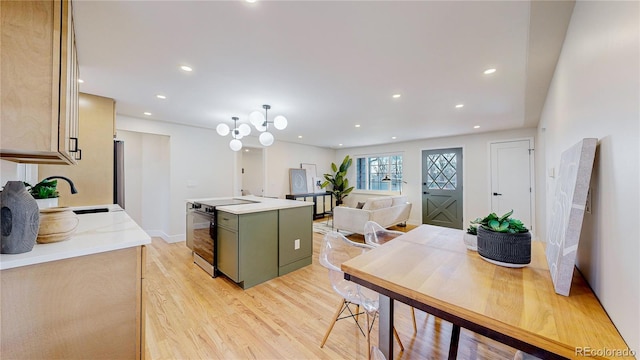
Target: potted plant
[[45, 192], [503, 240], [340, 184], [471, 237]]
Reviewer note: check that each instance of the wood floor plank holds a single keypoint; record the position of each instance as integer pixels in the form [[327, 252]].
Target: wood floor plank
[[193, 316]]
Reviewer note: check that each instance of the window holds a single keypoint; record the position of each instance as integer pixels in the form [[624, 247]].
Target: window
[[379, 172]]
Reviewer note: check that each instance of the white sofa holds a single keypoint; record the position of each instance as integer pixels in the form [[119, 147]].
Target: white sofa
[[386, 211]]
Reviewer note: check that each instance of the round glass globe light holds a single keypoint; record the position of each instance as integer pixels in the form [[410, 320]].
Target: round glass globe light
[[280, 122], [222, 129], [245, 129], [266, 138], [256, 118], [235, 145]]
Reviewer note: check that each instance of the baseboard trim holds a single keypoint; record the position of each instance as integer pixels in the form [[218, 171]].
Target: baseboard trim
[[167, 238]]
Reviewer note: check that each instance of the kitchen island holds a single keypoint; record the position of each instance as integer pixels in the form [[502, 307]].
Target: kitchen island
[[256, 241], [79, 298]]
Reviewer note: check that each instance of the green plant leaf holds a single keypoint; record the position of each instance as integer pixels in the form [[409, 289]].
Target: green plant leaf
[[505, 216], [504, 226], [494, 224], [334, 167]]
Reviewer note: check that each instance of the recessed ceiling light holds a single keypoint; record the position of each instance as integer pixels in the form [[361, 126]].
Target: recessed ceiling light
[[339, 144], [357, 125], [394, 137], [251, 1], [147, 113], [477, 127], [299, 136], [459, 106], [80, 81], [395, 96], [246, 150], [186, 68], [489, 71], [159, 96]]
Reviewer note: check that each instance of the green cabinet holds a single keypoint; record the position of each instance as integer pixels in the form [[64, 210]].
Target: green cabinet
[[295, 245], [255, 247], [247, 250]]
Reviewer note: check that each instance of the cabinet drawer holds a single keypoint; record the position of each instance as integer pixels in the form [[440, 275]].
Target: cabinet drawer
[[227, 220]]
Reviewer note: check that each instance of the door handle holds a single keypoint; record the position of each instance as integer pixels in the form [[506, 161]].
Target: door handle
[[496, 194], [425, 192]]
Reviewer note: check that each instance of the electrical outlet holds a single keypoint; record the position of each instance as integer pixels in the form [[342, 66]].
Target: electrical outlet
[[587, 205], [296, 244]]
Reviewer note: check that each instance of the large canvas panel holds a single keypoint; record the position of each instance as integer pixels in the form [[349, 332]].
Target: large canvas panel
[[574, 175]]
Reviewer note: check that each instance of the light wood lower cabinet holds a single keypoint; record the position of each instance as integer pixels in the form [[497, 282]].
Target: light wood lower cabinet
[[88, 307]]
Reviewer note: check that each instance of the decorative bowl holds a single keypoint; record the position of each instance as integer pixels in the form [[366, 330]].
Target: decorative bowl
[[56, 224]]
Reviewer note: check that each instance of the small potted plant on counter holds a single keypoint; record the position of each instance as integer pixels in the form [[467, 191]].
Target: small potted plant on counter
[[504, 241], [45, 192]]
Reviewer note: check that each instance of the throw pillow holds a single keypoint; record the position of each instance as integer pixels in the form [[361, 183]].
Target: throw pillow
[[360, 205]]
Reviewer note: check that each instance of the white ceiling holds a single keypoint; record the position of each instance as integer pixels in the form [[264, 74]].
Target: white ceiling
[[325, 65]]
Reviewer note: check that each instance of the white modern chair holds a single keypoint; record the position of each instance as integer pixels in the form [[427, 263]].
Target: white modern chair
[[337, 249], [375, 235], [376, 354]]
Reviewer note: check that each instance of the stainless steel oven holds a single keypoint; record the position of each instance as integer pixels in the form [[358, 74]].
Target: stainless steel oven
[[202, 231]]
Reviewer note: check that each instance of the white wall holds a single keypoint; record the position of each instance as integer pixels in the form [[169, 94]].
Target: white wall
[[476, 168], [13, 171], [147, 180], [202, 165], [281, 156], [252, 176], [595, 92]]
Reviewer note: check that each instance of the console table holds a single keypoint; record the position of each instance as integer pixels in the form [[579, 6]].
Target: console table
[[322, 202]]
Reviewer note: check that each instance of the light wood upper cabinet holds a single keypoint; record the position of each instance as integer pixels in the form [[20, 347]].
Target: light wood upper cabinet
[[39, 82]]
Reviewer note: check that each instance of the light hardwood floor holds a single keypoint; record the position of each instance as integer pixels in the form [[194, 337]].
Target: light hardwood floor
[[190, 315]]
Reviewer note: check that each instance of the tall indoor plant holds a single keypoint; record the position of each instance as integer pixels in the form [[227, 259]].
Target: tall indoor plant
[[340, 184]]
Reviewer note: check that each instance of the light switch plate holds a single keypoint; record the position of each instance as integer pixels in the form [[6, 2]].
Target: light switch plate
[[296, 244]]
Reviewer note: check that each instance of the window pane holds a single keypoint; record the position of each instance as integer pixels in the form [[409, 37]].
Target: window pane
[[372, 170]]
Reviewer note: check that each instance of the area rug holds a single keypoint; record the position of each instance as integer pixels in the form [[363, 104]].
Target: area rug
[[322, 228]]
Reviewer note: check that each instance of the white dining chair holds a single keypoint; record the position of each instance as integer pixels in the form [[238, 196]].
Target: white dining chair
[[375, 235], [335, 250]]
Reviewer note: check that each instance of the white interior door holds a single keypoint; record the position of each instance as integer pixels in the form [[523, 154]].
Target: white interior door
[[511, 179], [252, 171]]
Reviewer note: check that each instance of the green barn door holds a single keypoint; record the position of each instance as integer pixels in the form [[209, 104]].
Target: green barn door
[[442, 187]]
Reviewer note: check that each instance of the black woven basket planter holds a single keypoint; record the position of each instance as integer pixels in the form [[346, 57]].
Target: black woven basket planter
[[505, 249]]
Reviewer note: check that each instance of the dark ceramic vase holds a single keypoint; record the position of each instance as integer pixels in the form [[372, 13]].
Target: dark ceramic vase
[[512, 250], [20, 218]]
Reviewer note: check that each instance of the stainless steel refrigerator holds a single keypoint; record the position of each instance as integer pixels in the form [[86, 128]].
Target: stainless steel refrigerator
[[118, 172]]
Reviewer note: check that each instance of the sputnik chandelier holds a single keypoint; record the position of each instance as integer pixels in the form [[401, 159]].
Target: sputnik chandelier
[[237, 133], [261, 123]]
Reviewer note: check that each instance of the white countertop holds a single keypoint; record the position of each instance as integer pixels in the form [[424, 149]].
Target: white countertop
[[96, 233], [262, 204]]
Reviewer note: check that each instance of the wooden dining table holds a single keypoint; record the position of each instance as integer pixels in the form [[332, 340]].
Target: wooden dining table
[[430, 269]]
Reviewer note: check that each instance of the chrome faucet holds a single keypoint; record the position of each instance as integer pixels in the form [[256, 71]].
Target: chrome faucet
[[73, 187]]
